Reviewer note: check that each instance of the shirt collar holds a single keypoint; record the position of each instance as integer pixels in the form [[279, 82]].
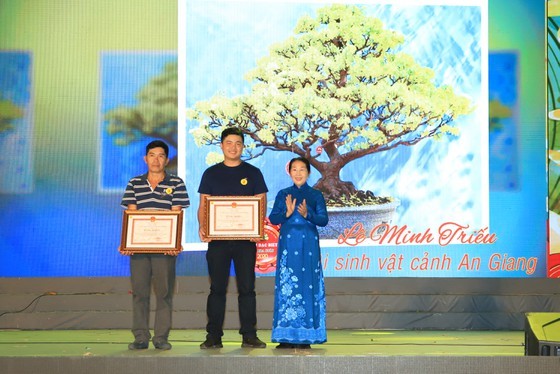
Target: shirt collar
[[303, 186], [145, 177]]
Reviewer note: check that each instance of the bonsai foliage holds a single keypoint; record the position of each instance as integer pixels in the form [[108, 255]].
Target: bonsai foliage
[[338, 87], [8, 113], [154, 116], [497, 112]]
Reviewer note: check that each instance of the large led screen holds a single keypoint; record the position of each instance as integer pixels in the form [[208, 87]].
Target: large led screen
[[435, 110]]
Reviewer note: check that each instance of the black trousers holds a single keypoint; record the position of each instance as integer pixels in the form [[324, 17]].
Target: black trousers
[[219, 257], [146, 269]]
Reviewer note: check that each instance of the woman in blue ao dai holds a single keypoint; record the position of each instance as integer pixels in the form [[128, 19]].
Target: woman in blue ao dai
[[299, 318]]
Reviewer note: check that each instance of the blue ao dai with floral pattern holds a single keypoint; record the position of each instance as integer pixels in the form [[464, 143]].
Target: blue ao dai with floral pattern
[[299, 296]]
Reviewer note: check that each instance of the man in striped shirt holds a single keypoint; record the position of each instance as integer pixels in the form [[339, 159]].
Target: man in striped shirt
[[155, 190]]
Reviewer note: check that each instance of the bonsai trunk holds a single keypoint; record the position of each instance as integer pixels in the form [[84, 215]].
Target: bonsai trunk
[[332, 187], [339, 193]]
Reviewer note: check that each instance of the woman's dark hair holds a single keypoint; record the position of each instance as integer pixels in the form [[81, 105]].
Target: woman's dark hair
[[302, 159], [156, 144]]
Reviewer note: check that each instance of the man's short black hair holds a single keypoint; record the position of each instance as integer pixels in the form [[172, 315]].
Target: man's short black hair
[[232, 131], [156, 144]]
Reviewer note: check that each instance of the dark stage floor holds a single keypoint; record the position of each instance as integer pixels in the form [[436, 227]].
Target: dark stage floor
[[347, 351], [340, 342]]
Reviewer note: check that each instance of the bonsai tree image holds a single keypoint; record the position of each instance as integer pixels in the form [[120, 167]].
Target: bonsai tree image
[[497, 112], [154, 116], [337, 90], [8, 113]]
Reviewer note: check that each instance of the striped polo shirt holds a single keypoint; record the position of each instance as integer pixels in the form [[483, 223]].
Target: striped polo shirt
[[168, 193]]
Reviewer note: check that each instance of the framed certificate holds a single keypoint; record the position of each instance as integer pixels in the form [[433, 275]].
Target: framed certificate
[[151, 231], [234, 217]]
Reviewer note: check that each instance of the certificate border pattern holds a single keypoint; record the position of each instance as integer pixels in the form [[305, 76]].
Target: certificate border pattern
[[175, 247], [260, 199]]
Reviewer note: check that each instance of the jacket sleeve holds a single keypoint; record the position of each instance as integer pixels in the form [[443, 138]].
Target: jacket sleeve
[[318, 216], [278, 214]]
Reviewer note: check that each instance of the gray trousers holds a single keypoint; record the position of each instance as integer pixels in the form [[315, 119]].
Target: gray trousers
[[146, 269]]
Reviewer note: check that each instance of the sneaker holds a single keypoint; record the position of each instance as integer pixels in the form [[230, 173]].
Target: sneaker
[[138, 344], [164, 345], [253, 342], [210, 343]]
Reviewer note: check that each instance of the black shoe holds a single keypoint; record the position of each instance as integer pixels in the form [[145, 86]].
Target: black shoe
[[210, 343], [138, 344], [284, 346], [253, 342], [164, 345], [302, 346]]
